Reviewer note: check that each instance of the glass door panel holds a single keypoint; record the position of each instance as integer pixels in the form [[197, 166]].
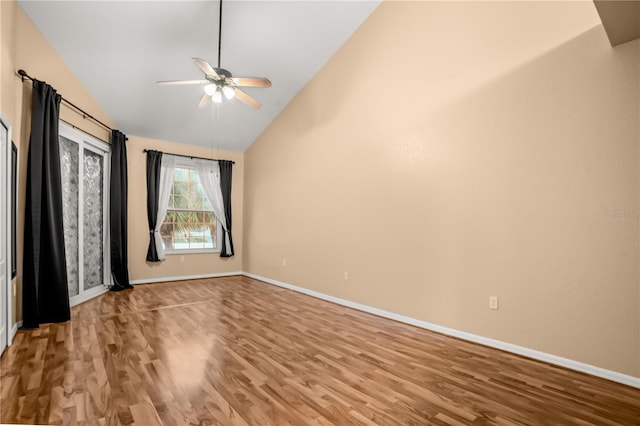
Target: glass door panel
[[93, 203], [70, 172]]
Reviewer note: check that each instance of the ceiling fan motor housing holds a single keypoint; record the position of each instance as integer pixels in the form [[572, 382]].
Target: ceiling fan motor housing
[[222, 73]]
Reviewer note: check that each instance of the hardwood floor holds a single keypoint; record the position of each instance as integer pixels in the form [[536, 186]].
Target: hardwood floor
[[235, 351]]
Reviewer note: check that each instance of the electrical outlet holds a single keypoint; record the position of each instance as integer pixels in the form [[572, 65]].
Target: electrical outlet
[[493, 302], [181, 259], [346, 275], [284, 262]]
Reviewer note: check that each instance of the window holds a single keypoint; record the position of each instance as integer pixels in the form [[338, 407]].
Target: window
[[190, 225]]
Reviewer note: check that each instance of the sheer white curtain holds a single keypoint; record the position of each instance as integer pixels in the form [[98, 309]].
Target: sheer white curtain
[[209, 174], [167, 171]]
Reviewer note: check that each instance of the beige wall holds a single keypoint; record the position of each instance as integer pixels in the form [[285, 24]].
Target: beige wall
[[454, 151], [193, 264]]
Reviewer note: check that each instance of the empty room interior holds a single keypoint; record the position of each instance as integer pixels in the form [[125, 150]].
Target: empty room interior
[[320, 212]]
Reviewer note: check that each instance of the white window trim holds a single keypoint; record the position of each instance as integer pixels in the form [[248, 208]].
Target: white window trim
[[187, 163], [174, 252]]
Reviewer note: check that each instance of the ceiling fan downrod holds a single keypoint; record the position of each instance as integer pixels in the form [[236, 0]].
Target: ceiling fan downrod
[[219, 33]]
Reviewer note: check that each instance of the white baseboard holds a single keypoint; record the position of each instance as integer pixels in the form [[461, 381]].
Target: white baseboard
[[184, 277], [13, 331], [508, 347]]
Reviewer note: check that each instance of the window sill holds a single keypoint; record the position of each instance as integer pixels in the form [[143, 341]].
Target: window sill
[[190, 251]]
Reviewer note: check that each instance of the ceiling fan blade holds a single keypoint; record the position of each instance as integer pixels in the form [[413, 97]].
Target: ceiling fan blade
[[180, 82], [250, 81], [204, 101], [242, 96], [206, 68]]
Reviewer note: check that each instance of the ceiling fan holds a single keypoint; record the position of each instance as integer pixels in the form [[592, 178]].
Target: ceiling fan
[[219, 81]]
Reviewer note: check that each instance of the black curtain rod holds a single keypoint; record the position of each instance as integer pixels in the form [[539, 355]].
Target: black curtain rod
[[23, 74], [187, 156], [84, 131]]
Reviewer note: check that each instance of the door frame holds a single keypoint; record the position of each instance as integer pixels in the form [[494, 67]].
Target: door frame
[[7, 226]]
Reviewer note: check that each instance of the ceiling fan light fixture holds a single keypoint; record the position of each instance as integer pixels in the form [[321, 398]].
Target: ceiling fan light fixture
[[217, 96], [229, 92], [210, 89]]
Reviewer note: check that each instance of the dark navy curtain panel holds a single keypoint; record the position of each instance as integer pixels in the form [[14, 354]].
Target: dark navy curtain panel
[[226, 169], [118, 212], [45, 291], [154, 163]]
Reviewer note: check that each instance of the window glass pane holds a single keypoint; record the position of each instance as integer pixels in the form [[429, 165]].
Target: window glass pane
[[166, 233], [210, 220], [181, 202], [182, 175], [181, 188], [213, 234], [69, 166], [208, 217], [182, 217], [196, 198], [93, 240]]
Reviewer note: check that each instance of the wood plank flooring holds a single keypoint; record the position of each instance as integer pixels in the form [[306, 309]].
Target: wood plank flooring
[[235, 351]]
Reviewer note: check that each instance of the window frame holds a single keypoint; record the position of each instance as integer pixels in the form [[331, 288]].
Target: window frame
[[187, 163]]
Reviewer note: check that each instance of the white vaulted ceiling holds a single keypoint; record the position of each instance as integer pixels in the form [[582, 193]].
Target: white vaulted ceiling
[[118, 49]]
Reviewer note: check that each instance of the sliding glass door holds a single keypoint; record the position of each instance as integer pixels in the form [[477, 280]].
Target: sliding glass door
[[84, 163]]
